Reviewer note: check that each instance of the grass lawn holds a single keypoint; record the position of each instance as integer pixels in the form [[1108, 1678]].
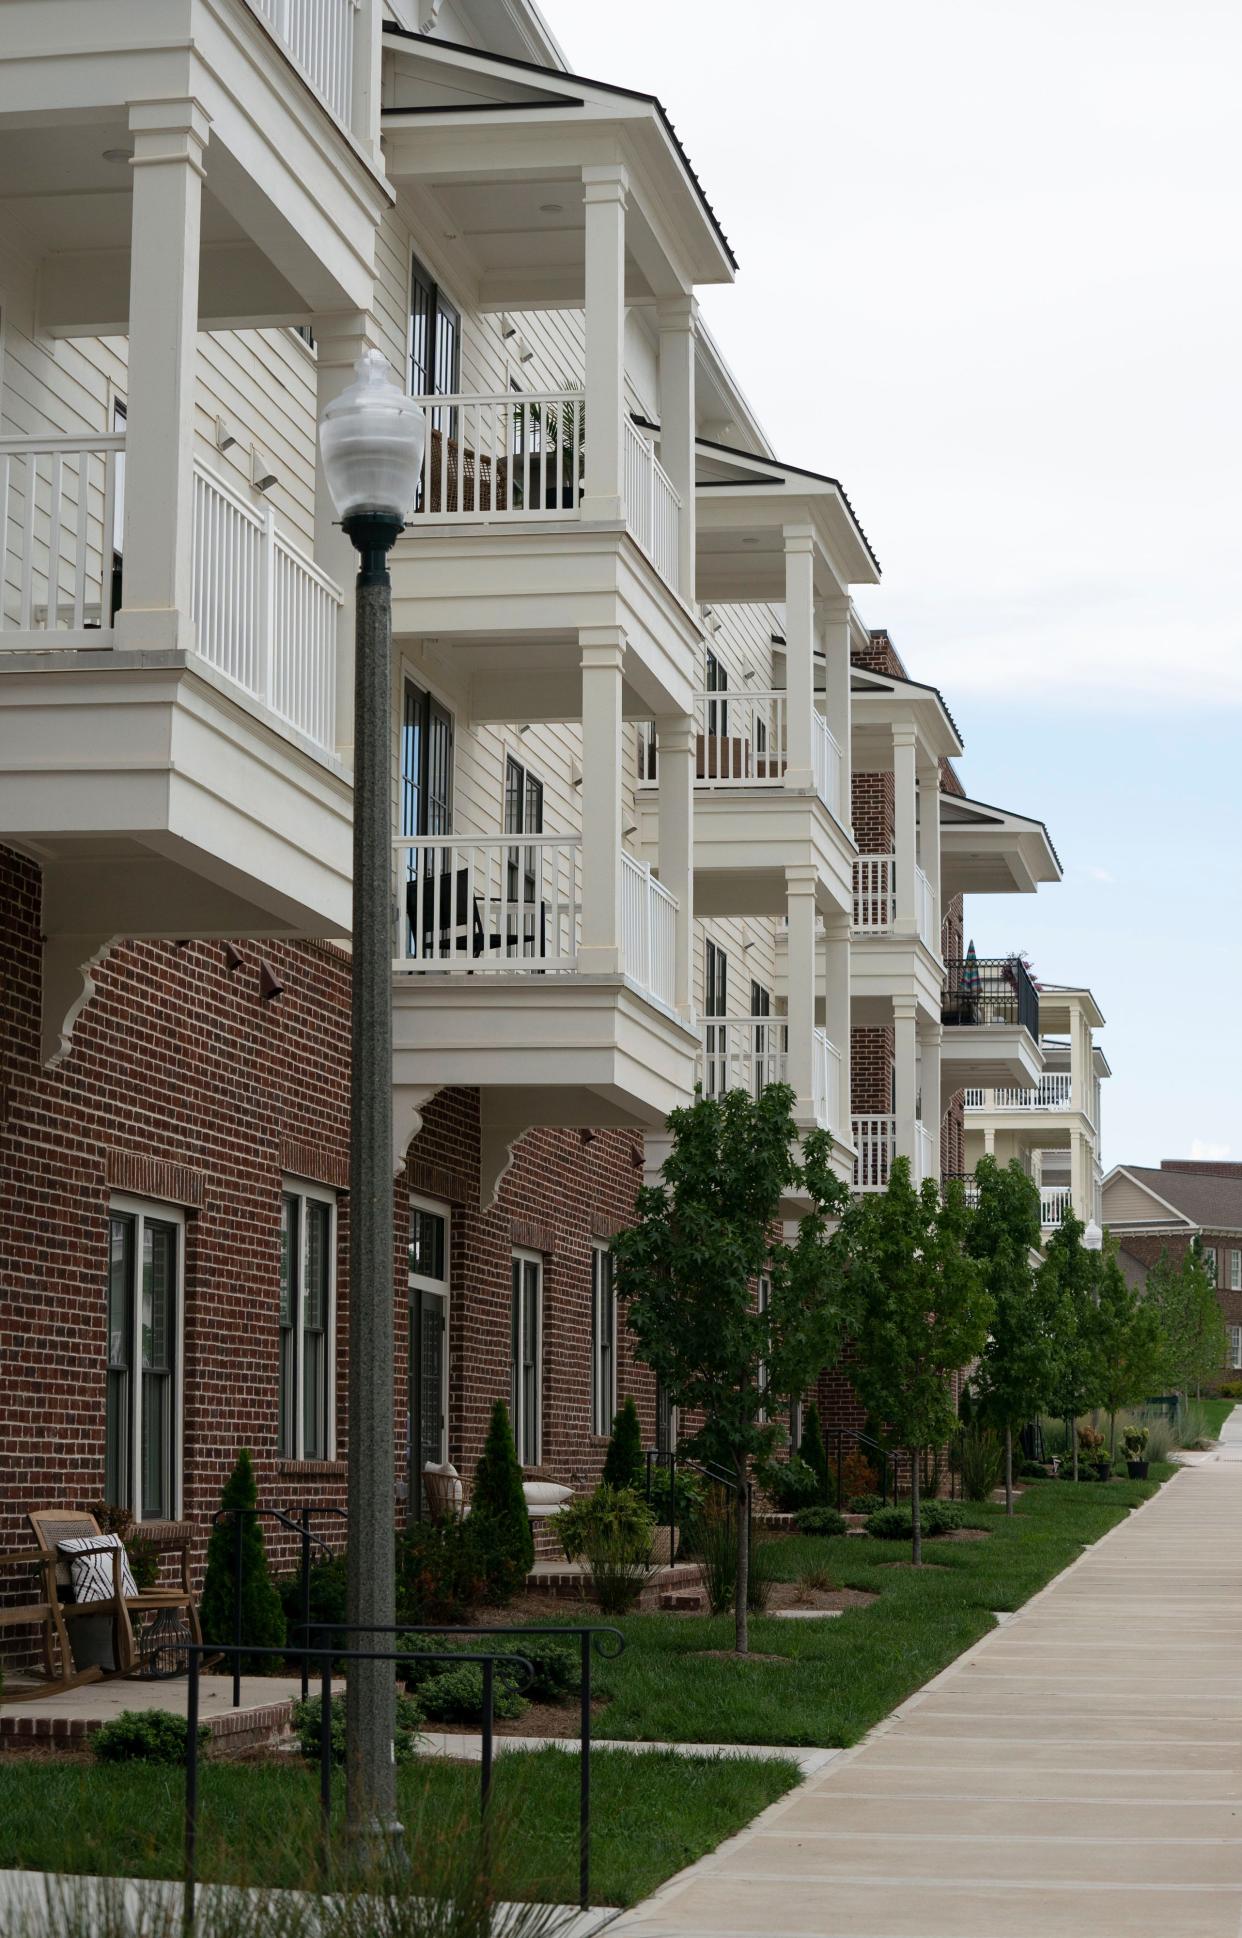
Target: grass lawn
[[651, 1815], [837, 1678], [1217, 1412]]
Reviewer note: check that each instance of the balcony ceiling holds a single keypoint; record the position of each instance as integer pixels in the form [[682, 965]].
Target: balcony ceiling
[[743, 504], [880, 701], [489, 152], [990, 1056], [988, 850]]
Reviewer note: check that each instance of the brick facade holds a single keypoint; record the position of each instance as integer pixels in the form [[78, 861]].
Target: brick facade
[[1147, 1247]]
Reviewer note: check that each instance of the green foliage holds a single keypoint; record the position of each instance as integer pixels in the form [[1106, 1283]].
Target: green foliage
[[554, 1662], [1016, 1367], [790, 1484], [1230, 1389], [761, 1575], [864, 1503], [821, 1519], [1067, 1279], [307, 1717], [897, 1523], [1134, 1440], [1192, 1325], [262, 1617], [144, 1736], [612, 1531], [813, 1450], [688, 1492], [980, 1460], [623, 1463], [1129, 1340], [439, 1571], [327, 1601], [499, 1522], [456, 1696], [144, 1559]]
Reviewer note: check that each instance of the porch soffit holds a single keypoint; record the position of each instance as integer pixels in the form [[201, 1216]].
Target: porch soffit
[[745, 499], [879, 701]]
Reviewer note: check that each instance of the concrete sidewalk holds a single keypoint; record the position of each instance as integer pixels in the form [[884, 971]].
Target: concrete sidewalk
[[1079, 1770]]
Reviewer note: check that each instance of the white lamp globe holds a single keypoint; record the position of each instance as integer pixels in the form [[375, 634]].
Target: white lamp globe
[[372, 437], [1093, 1237]]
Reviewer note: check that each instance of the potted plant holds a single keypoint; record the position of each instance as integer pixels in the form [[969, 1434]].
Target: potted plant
[[1135, 1442], [1093, 1454]]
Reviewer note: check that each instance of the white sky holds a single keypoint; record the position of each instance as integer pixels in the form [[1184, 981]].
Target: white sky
[[990, 279]]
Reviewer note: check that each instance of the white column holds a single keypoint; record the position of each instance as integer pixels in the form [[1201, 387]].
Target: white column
[[933, 1111], [676, 740], [800, 905], [905, 921], [603, 653], [905, 1076], [929, 838], [989, 1141], [368, 52], [167, 171], [604, 193], [799, 651], [834, 631], [837, 1008], [1081, 1181], [339, 342], [677, 321]]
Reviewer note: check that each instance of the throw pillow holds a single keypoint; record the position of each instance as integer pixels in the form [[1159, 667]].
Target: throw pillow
[[90, 1567]]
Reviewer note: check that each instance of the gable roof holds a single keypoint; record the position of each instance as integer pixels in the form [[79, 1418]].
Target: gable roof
[[1211, 1204]]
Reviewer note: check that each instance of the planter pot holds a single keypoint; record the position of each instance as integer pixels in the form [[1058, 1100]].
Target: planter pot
[[1104, 1470], [1137, 1469]]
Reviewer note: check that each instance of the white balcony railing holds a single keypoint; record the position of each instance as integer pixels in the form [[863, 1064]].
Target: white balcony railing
[[876, 902], [1053, 1201], [652, 504], [495, 903], [741, 739], [875, 1141], [320, 36], [827, 763], [1054, 1091], [501, 457], [58, 535], [648, 931], [742, 1053], [265, 615], [826, 1080]]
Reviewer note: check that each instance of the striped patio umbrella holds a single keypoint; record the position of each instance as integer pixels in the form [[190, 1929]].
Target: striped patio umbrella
[[970, 976]]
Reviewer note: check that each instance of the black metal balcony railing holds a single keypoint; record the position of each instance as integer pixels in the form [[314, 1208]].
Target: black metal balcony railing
[[980, 991]]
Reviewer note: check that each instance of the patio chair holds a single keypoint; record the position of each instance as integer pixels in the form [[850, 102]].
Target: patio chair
[[45, 1615], [51, 1526], [445, 1493]]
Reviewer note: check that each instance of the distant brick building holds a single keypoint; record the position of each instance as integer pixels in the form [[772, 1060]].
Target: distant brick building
[[1161, 1211]]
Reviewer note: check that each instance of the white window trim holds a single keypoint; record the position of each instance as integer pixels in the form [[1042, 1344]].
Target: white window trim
[[1235, 1270], [1211, 1260], [160, 1214], [519, 1253], [602, 1415], [440, 1289], [1235, 1348], [305, 1188]]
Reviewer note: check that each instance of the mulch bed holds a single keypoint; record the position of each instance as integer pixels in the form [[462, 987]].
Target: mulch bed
[[792, 1594]]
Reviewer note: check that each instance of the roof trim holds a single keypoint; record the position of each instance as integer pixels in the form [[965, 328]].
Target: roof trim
[[1122, 1170], [1010, 814], [582, 80], [895, 682], [776, 464]]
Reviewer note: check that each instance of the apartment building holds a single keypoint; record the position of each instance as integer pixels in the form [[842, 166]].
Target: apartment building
[[665, 812], [1156, 1211], [1052, 1126]]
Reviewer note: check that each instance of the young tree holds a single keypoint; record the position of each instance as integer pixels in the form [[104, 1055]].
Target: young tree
[[1015, 1367], [919, 1311], [499, 1521], [1067, 1275], [688, 1274], [1128, 1339], [812, 1449], [1184, 1296], [262, 1616], [623, 1463]]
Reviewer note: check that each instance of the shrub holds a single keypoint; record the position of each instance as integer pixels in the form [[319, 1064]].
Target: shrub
[[439, 1571], [718, 1549], [1032, 1470], [308, 1727], [1091, 1445], [895, 1523], [499, 1522], [817, 1579], [1135, 1442], [1161, 1439], [865, 1503], [144, 1736], [858, 1476], [555, 1663], [687, 1503], [623, 1463], [761, 1576], [262, 1617], [456, 1696], [327, 1601], [1193, 1427], [790, 1484], [813, 1451], [612, 1531], [980, 1461], [1230, 1389], [821, 1520]]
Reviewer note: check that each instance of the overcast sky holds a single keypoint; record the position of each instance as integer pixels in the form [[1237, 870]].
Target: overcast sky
[[990, 279]]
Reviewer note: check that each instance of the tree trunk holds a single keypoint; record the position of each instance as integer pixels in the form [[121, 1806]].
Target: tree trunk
[[1073, 1434], [1112, 1436], [741, 1580], [915, 1518], [1008, 1468]]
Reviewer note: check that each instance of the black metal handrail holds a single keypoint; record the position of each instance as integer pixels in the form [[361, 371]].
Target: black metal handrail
[[710, 1470], [875, 1453], [302, 1529], [993, 989]]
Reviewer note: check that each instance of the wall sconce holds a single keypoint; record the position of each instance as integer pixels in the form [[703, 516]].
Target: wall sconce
[[262, 477], [270, 984], [508, 328], [226, 436]]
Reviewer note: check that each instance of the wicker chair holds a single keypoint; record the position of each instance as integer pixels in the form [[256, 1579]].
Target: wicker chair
[[53, 1525]]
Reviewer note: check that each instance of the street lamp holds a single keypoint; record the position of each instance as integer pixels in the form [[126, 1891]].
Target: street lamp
[[1093, 1237], [371, 438]]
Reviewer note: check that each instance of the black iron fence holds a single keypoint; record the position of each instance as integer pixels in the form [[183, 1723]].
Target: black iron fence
[[981, 990]]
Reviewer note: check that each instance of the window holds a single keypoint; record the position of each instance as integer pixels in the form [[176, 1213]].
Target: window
[[1235, 1348], [429, 1356], [603, 1341], [767, 1039], [666, 1420], [648, 756], [1235, 1271], [717, 682], [142, 1442], [1209, 1262], [427, 805], [119, 418], [307, 1289], [523, 815], [795, 1425], [435, 341], [527, 1391], [716, 1003]]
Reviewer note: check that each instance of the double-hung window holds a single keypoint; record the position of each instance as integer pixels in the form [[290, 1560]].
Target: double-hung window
[[1209, 1263], [716, 1003], [527, 1340], [435, 342], [1235, 1348], [603, 1340], [142, 1437], [1235, 1271], [427, 809], [717, 710], [523, 815], [307, 1304]]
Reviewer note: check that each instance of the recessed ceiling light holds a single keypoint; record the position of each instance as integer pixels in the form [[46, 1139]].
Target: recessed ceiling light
[[750, 541], [118, 154], [551, 208]]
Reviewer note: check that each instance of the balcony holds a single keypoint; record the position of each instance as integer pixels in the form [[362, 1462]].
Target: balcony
[[875, 1142], [1054, 1201], [990, 1013], [490, 990], [876, 906], [750, 1052], [1052, 1091], [895, 946], [322, 37]]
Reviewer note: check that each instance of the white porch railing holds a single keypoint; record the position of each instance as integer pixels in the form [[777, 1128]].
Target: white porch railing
[[58, 535], [742, 1053], [648, 931], [320, 36], [923, 1156], [266, 616], [875, 1141], [501, 456], [873, 894], [1054, 1091], [652, 503], [1053, 1200], [827, 763], [826, 1080], [972, 1099], [742, 739], [494, 903]]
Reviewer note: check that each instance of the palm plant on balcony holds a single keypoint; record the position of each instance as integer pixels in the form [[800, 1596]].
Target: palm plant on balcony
[[549, 440]]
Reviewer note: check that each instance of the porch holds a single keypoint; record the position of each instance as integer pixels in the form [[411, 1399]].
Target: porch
[[68, 1721]]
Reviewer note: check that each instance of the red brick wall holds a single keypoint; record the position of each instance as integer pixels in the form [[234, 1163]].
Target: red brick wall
[[1147, 1248], [871, 1072]]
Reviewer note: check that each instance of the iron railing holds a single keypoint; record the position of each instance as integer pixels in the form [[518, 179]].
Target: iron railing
[[979, 991]]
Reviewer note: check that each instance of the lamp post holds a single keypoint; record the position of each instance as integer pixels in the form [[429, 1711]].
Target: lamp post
[[1092, 1237], [371, 438]]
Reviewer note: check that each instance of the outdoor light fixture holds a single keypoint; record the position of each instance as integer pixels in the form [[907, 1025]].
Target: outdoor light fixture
[[1093, 1237], [262, 477], [371, 438]]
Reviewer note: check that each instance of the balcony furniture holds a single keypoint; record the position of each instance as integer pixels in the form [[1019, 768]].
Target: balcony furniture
[[442, 1484], [544, 1498], [459, 921], [999, 991], [460, 479], [51, 1526], [44, 1614]]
